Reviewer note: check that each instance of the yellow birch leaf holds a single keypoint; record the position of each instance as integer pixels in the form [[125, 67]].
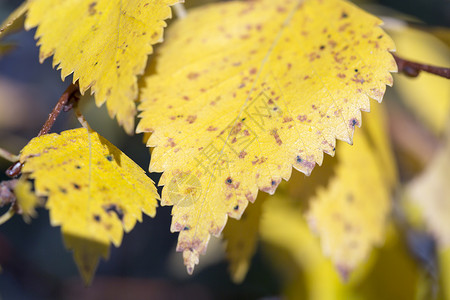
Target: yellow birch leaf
[[431, 192], [95, 192], [15, 20], [26, 199], [350, 213], [244, 91], [104, 43], [284, 226], [241, 237], [389, 274]]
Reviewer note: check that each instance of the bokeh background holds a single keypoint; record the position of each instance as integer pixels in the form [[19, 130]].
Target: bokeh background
[[35, 264]]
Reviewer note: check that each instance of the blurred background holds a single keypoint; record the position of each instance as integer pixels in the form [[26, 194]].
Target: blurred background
[[35, 264]]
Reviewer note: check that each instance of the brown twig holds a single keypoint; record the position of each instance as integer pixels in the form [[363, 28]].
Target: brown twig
[[68, 99], [413, 69], [72, 92]]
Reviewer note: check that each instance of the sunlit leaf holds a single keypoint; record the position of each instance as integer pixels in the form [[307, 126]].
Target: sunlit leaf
[[244, 91], [95, 192], [104, 44]]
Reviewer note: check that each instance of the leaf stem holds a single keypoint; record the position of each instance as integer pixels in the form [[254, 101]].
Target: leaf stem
[[413, 69], [81, 119], [180, 10]]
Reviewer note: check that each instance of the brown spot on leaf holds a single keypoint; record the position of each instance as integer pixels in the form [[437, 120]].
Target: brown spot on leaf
[[192, 76], [276, 136], [92, 11], [191, 119]]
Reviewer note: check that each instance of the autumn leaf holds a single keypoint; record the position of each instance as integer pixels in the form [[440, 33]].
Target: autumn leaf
[[95, 192], [431, 193], [15, 20], [350, 214], [104, 44], [244, 91], [27, 201], [296, 254]]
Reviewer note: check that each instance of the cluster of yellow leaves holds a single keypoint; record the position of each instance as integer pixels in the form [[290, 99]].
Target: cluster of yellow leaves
[[240, 93], [272, 88], [95, 192]]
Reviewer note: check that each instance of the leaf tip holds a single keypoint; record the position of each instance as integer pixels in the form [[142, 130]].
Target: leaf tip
[[191, 259]]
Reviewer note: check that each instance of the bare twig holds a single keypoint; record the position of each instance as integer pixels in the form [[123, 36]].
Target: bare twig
[[68, 99], [63, 103], [413, 69], [8, 156]]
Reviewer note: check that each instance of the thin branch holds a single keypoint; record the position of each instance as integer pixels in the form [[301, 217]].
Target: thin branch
[[63, 103], [8, 155], [413, 69], [69, 98]]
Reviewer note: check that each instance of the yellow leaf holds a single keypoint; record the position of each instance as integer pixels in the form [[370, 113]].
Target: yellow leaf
[[15, 20], [350, 213], [104, 44], [95, 192], [26, 199], [283, 226], [428, 95], [292, 249], [241, 237], [244, 91], [431, 192], [444, 267]]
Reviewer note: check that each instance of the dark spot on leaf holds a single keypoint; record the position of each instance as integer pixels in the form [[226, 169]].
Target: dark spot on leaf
[[63, 190], [78, 167], [236, 207], [109, 157], [76, 186], [92, 10], [356, 70], [115, 209], [97, 218], [273, 182], [299, 159], [344, 15], [322, 47], [354, 122], [186, 228], [229, 180]]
